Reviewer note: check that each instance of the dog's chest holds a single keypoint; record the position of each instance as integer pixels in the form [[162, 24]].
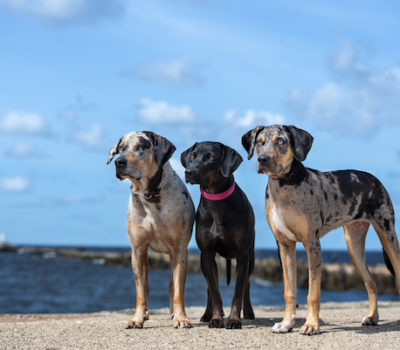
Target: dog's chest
[[287, 221], [278, 221], [217, 229]]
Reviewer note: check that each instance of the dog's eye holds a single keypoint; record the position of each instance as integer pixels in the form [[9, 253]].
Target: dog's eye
[[193, 155], [210, 156], [140, 148], [260, 143], [280, 141]]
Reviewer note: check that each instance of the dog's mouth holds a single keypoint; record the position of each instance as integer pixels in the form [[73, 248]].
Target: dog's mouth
[[268, 170], [191, 178], [122, 175]]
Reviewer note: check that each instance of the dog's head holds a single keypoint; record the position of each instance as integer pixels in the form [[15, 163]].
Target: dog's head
[[206, 161], [141, 153], [276, 147]]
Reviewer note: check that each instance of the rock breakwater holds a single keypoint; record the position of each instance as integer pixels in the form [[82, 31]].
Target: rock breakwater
[[334, 276]]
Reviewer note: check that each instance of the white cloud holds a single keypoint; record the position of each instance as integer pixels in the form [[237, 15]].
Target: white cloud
[[336, 108], [23, 151], [178, 72], [162, 112], [359, 100], [22, 122], [13, 184], [346, 62], [65, 10], [91, 137], [252, 117]]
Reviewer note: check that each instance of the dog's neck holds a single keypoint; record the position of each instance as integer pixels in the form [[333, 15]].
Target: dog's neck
[[218, 185], [294, 177]]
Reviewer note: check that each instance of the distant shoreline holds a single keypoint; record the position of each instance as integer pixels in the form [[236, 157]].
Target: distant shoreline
[[335, 276]]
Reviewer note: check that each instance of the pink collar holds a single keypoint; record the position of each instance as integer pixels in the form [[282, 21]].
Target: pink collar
[[219, 196]]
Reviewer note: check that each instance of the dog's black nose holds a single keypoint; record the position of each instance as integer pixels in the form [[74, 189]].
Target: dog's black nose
[[188, 173], [120, 162], [263, 159]]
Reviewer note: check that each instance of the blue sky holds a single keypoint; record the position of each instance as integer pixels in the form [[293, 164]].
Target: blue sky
[[77, 74]]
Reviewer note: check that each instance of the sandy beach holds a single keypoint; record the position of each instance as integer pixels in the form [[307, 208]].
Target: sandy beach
[[340, 329]]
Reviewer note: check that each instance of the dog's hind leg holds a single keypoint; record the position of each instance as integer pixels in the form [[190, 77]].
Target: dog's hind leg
[[390, 244], [208, 313], [354, 235], [248, 312]]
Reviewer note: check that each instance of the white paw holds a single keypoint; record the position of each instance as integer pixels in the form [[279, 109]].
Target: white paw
[[284, 327]]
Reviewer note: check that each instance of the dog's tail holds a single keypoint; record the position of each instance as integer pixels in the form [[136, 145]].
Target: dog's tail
[[387, 262], [228, 271]]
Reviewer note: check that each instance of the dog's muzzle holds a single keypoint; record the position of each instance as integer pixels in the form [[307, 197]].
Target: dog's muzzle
[[191, 177], [122, 170], [121, 163], [265, 163]]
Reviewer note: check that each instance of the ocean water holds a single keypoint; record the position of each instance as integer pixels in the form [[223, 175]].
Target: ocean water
[[37, 284]]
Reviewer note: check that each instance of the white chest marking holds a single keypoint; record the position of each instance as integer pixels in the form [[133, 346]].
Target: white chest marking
[[280, 225]]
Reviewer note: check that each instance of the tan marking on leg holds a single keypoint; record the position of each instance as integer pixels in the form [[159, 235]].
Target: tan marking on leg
[[311, 325], [288, 258], [179, 266], [140, 270], [171, 294]]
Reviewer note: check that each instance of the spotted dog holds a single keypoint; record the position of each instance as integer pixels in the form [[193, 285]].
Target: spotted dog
[[224, 225], [303, 204], [160, 216]]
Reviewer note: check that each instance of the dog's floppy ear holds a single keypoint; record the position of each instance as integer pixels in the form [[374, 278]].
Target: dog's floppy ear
[[163, 148], [230, 160], [113, 151], [249, 140], [185, 154], [301, 142]]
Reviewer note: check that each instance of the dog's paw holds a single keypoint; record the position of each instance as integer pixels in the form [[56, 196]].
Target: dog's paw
[[206, 317], [134, 324], [368, 321], [284, 326], [233, 323], [182, 323], [216, 323], [309, 329]]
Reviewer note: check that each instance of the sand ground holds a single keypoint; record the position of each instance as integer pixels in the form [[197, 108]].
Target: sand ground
[[340, 329]]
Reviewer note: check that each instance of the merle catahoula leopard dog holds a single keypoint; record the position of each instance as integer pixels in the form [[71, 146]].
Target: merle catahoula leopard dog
[[303, 204], [160, 216]]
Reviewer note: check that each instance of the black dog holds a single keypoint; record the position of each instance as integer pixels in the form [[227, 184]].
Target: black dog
[[224, 225]]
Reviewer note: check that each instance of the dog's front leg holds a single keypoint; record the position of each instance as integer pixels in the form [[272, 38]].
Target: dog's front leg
[[140, 271], [313, 250], [240, 285], [287, 252], [179, 265], [210, 272]]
